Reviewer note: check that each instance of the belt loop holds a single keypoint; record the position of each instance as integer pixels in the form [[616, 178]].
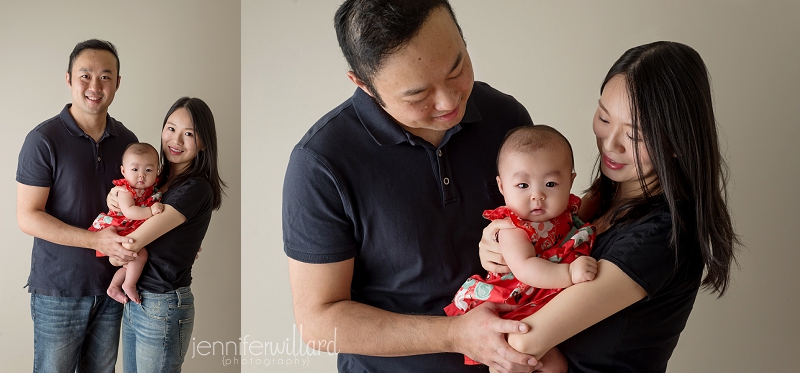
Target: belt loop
[[178, 293]]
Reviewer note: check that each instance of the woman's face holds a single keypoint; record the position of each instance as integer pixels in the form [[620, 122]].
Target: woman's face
[[612, 127], [178, 140]]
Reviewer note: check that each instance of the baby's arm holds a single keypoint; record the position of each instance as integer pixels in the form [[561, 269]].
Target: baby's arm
[[128, 207], [157, 208], [520, 256]]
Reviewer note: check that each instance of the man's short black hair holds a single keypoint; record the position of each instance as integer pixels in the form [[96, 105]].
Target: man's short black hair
[[370, 30], [91, 44]]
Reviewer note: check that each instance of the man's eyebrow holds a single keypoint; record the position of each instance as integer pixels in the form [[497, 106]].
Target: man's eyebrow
[[418, 90], [86, 69], [459, 58]]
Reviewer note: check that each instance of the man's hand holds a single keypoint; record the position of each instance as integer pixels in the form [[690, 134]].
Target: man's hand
[[157, 208], [108, 242], [582, 269], [481, 335], [111, 198], [489, 250]]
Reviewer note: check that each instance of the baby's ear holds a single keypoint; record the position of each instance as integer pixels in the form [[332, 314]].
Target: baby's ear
[[573, 176], [500, 185]]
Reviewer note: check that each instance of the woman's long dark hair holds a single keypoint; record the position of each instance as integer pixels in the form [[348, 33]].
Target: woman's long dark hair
[[205, 162], [671, 104]]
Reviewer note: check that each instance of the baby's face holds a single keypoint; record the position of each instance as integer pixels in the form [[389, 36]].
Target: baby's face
[[536, 185], [140, 170]]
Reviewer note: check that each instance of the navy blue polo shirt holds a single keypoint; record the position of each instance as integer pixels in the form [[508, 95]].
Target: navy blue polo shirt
[[57, 154], [359, 186]]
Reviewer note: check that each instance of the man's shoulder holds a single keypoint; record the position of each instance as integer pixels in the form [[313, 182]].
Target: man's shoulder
[[120, 130], [333, 124], [484, 90]]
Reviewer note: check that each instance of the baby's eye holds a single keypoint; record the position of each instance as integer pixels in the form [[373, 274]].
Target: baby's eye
[[148, 170], [134, 169], [522, 185], [550, 184]]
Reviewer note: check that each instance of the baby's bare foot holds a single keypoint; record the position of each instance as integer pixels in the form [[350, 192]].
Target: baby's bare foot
[[130, 290], [117, 294]]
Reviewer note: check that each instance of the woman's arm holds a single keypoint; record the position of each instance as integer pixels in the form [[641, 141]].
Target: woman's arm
[[577, 308], [155, 227]]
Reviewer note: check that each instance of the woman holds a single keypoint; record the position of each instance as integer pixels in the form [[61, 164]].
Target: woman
[[659, 205], [157, 332]]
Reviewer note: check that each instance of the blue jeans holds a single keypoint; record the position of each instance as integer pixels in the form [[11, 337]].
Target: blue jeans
[[75, 334], [157, 333]]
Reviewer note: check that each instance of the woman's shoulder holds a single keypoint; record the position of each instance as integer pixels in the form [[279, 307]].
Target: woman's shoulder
[[194, 187]]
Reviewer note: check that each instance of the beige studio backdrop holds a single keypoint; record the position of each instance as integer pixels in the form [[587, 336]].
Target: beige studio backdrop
[[167, 50], [552, 56]]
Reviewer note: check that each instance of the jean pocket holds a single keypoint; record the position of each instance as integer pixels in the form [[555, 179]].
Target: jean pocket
[[186, 328], [155, 309]]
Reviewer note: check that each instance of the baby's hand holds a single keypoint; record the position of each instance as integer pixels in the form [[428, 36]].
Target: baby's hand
[[157, 208], [583, 269]]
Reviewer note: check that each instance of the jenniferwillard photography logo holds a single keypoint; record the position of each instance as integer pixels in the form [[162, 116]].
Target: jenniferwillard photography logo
[[288, 352]]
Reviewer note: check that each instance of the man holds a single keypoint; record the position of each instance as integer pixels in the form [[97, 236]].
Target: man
[[383, 199], [64, 173]]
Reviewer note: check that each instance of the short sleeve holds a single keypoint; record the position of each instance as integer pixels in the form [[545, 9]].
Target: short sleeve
[[192, 198], [317, 215], [36, 163], [643, 252]]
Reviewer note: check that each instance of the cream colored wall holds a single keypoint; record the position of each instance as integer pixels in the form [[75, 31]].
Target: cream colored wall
[[167, 50], [552, 57]]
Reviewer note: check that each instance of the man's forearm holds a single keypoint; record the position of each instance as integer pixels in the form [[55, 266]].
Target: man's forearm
[[43, 225], [352, 327]]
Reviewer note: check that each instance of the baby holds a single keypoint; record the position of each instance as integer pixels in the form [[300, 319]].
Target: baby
[[550, 249], [140, 171]]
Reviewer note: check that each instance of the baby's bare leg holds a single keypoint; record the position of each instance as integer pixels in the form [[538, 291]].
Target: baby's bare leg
[[115, 289], [132, 275]]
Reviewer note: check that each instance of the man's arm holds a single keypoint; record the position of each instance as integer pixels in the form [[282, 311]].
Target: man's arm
[[323, 309], [33, 220], [577, 308]]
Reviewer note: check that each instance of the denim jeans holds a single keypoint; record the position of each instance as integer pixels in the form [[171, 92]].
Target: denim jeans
[[157, 333], [75, 334]]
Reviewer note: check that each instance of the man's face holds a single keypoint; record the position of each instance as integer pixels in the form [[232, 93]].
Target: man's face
[[94, 82], [426, 84]]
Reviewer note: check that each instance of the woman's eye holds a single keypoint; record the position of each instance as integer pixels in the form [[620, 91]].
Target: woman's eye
[[550, 184], [604, 120], [522, 185], [189, 134]]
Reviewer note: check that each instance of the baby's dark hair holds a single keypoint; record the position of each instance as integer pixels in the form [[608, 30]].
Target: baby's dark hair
[[140, 148], [525, 139]]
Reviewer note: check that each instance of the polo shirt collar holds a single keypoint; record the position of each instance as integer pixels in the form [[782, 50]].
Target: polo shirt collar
[[74, 130], [385, 131]]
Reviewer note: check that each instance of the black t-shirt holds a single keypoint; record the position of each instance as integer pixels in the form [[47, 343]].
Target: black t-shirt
[[169, 265], [57, 154], [641, 337], [359, 186]]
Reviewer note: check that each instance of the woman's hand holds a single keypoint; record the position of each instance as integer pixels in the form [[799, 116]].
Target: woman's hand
[[489, 250], [111, 198]]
